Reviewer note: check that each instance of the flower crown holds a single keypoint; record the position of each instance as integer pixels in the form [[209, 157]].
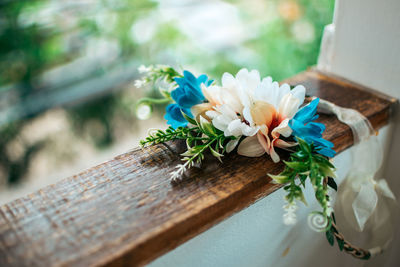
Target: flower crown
[[254, 116]]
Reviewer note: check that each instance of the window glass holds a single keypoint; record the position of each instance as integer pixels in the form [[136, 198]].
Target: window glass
[[67, 97]]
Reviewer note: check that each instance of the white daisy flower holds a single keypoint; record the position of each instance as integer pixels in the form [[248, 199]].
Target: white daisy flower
[[245, 105]]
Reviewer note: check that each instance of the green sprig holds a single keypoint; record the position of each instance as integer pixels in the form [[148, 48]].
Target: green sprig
[[154, 74], [159, 136], [200, 138], [302, 164]]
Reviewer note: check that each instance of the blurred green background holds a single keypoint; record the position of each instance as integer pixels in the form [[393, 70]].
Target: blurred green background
[[67, 68]]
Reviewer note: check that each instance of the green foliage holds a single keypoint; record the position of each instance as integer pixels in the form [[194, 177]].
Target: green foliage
[[330, 237], [306, 163], [153, 76], [201, 138], [169, 134], [161, 72], [283, 55], [332, 183], [340, 243]]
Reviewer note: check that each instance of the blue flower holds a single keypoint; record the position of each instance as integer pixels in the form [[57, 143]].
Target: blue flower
[[189, 91], [303, 127], [174, 116], [186, 95]]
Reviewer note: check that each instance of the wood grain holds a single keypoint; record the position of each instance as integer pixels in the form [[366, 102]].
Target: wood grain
[[125, 212]]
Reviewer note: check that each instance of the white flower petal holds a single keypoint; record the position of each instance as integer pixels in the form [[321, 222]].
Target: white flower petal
[[276, 94], [204, 121], [229, 97], [263, 92], [247, 115], [244, 95], [268, 91], [250, 147], [267, 80], [283, 144], [249, 130], [263, 139], [288, 106], [231, 145], [248, 80], [212, 114], [220, 123], [200, 109], [227, 132], [274, 156], [285, 88], [227, 111], [283, 128], [212, 94], [253, 79], [235, 127], [300, 93], [228, 80], [246, 85]]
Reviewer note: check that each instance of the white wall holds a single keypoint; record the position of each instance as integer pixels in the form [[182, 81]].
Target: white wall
[[257, 237], [364, 48]]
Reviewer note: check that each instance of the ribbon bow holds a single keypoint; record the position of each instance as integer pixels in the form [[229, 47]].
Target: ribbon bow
[[368, 157]]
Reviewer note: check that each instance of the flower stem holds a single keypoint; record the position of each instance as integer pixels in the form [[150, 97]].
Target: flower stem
[[148, 101]]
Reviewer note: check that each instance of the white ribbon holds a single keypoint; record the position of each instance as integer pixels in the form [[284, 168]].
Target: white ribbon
[[362, 188], [369, 157]]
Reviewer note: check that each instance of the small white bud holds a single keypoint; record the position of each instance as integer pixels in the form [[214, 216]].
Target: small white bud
[[143, 69], [290, 218], [143, 111], [139, 83]]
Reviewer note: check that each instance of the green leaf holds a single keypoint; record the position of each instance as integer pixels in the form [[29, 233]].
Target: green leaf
[[322, 159], [189, 119], [188, 143], [216, 154], [303, 179], [297, 165], [188, 153], [192, 151], [330, 237], [300, 155], [166, 94], [320, 195], [300, 196], [333, 217], [304, 145], [221, 143], [326, 171], [332, 183], [207, 127], [286, 187], [280, 179], [340, 243]]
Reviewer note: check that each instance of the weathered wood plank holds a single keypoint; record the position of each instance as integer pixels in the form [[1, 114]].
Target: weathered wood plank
[[126, 212]]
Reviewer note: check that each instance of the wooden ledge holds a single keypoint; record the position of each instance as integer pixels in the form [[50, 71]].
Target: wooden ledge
[[126, 212]]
